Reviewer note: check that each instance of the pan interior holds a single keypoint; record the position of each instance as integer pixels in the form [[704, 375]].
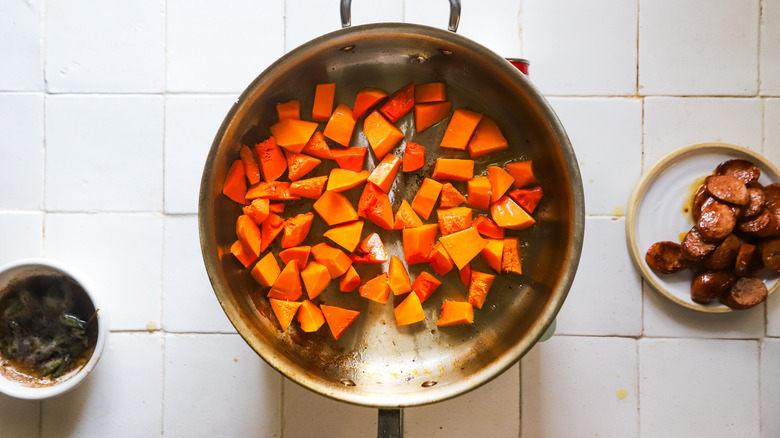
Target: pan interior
[[375, 362]]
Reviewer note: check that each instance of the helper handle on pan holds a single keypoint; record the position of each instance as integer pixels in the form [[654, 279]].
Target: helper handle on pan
[[346, 14], [390, 423]]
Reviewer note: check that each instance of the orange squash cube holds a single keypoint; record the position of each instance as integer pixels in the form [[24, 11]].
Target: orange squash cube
[[310, 188], [270, 159], [500, 182], [310, 317], [479, 192], [479, 286], [522, 172], [450, 196], [334, 208], [299, 253], [251, 168], [338, 319], [493, 252], [346, 235], [266, 270], [405, 217], [397, 277], [527, 198], [488, 228], [333, 258], [350, 158], [296, 229], [440, 260], [425, 285], [340, 125], [318, 147], [507, 214], [465, 275], [293, 134], [249, 235], [245, 257], [258, 210], [429, 114], [510, 261], [376, 289], [285, 311], [374, 205], [298, 165], [453, 169], [384, 173], [371, 250], [315, 278], [324, 96], [460, 129], [409, 311], [455, 313], [432, 92], [487, 138], [418, 243], [235, 183], [288, 284], [289, 110], [340, 180], [272, 227], [382, 135], [365, 99], [274, 190], [399, 103], [454, 219], [463, 245], [350, 280], [426, 197], [414, 157]]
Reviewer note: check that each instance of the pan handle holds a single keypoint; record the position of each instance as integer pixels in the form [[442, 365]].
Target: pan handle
[[390, 423], [346, 14]]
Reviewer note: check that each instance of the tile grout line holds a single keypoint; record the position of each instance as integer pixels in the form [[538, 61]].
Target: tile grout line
[[42, 206], [163, 222]]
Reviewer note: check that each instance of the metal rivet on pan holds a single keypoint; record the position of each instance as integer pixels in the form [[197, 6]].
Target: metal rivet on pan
[[445, 52], [347, 382], [348, 48], [429, 383]]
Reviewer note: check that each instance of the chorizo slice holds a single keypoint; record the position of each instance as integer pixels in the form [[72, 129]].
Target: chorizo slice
[[694, 247], [666, 258], [772, 193], [710, 285], [746, 264], [745, 293], [756, 200], [700, 199], [724, 256], [766, 224], [769, 250], [744, 170], [727, 188], [717, 221]]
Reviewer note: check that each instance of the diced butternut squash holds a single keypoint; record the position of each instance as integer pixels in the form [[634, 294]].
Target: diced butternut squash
[[397, 277], [500, 182], [296, 229], [310, 188], [242, 254], [384, 173], [258, 210], [343, 179], [425, 285], [409, 311], [365, 100], [507, 214], [318, 147], [374, 205], [382, 135], [429, 114], [479, 192], [235, 183], [289, 110], [414, 157], [371, 250], [450, 196], [288, 284], [274, 190], [418, 243], [350, 158], [335, 208], [271, 159], [426, 197], [346, 235], [310, 317], [298, 165], [454, 219], [432, 92], [455, 313], [487, 138], [465, 275], [333, 258], [510, 261], [277, 207], [492, 253], [376, 289], [266, 271], [527, 198], [322, 108], [399, 103], [340, 125], [315, 278], [453, 169], [272, 227], [488, 228], [522, 172], [350, 280], [285, 311], [405, 217], [298, 253], [249, 235], [338, 319], [293, 134], [440, 260], [251, 167], [463, 245], [479, 286], [460, 129]]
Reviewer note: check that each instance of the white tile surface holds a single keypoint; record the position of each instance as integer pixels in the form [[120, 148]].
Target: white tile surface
[[122, 253], [121, 398], [105, 46], [587, 122], [688, 387], [228, 389], [323, 414], [191, 122], [221, 46], [770, 48], [604, 305], [104, 153], [21, 149], [581, 48], [492, 410], [772, 130], [580, 386], [21, 28], [367, 12], [671, 123], [770, 388], [698, 47], [20, 418], [306, 20], [188, 301], [22, 235]]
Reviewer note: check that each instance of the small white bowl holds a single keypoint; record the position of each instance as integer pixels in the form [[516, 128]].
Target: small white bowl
[[26, 268]]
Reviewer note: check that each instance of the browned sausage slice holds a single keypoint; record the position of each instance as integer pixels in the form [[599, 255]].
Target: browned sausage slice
[[727, 188], [770, 253], [725, 254], [700, 199], [755, 203], [711, 285], [746, 171], [745, 264], [772, 193], [666, 258], [717, 221], [745, 293], [766, 224], [694, 247]]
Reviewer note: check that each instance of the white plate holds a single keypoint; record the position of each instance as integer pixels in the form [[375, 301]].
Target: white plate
[[657, 211]]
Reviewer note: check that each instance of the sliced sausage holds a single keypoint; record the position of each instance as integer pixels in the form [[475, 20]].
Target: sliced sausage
[[725, 254], [774, 208], [717, 221], [711, 285], [755, 203], [745, 293], [772, 193], [769, 250], [666, 258], [766, 224], [745, 264], [700, 199], [744, 170], [727, 188], [694, 247]]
